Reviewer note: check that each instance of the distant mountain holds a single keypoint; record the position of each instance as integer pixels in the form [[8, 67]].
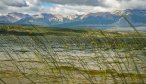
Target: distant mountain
[[93, 19], [46, 19], [12, 17], [17, 16], [135, 16]]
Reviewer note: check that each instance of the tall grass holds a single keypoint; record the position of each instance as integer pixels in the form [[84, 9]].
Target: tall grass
[[42, 56]]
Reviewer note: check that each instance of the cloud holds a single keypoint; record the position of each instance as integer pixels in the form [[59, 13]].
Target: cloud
[[37, 6], [72, 10], [133, 4], [123, 4], [92, 6], [21, 6], [68, 7], [74, 2], [16, 3]]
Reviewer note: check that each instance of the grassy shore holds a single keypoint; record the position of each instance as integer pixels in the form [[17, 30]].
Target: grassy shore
[[47, 55]]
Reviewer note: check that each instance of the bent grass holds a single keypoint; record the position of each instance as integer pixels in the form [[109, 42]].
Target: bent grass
[[69, 56]]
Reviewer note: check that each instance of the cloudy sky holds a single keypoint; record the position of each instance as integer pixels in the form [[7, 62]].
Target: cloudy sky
[[68, 7]]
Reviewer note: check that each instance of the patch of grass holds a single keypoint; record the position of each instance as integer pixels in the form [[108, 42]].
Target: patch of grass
[[99, 72], [144, 52], [69, 68], [133, 75], [29, 61], [9, 73]]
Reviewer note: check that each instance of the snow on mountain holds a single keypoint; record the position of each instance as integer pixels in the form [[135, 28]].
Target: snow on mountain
[[135, 16]]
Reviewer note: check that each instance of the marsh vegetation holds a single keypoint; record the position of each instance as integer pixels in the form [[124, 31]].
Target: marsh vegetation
[[40, 55]]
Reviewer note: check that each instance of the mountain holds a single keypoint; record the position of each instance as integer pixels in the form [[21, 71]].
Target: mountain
[[17, 16], [93, 19], [135, 16], [45, 19], [12, 17]]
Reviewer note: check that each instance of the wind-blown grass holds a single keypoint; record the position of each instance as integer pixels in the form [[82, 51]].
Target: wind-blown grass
[[39, 55]]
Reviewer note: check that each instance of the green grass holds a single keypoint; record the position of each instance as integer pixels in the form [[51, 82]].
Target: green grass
[[48, 65]]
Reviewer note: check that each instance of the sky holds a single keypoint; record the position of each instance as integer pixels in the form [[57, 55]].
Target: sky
[[68, 7]]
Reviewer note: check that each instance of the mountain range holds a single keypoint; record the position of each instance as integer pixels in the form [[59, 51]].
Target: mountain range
[[135, 16]]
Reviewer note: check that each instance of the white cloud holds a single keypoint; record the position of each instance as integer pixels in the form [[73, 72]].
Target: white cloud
[[17, 3], [74, 2], [68, 7], [125, 4], [22, 6], [133, 4], [71, 10], [119, 4]]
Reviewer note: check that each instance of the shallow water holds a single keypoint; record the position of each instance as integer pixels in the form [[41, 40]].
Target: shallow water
[[26, 59]]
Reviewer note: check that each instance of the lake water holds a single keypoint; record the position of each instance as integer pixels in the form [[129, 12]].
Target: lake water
[[50, 60]]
